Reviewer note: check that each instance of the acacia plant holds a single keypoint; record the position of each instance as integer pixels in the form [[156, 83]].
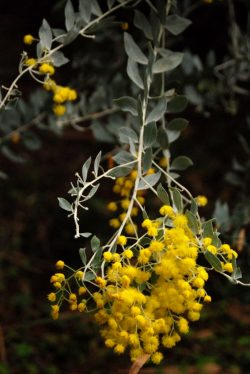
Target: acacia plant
[[148, 281]]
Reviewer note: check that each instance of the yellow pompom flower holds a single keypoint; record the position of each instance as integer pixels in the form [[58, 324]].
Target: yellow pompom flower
[[52, 297], [228, 267], [28, 39], [60, 264], [128, 253], [59, 110], [30, 61], [46, 68], [122, 240], [201, 200], [166, 210], [107, 256], [112, 206]]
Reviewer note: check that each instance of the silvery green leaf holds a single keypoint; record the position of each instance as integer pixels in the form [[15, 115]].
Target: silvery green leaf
[[45, 35], [97, 163], [158, 111], [85, 234], [177, 199], [71, 35], [7, 152], [31, 141], [194, 206], [165, 64], [127, 133], [58, 32], [177, 104], [85, 169], [133, 50], [92, 192], [162, 194], [133, 73], [82, 253], [149, 181], [110, 3], [156, 26], [120, 171], [123, 157], [192, 221], [213, 261], [127, 104], [141, 22], [236, 270], [222, 216], [95, 243], [64, 204], [97, 261], [207, 227], [147, 159], [85, 10], [176, 24], [150, 134], [95, 7], [181, 163], [162, 138], [177, 124], [173, 135], [100, 132], [89, 276], [59, 59], [69, 15]]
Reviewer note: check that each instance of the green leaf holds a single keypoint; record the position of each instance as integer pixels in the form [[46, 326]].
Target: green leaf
[[147, 159], [120, 171], [165, 64], [173, 135], [194, 206], [176, 24], [192, 221], [141, 22], [162, 138], [95, 243], [97, 259], [123, 157], [161, 8], [177, 124], [59, 59], [127, 133], [70, 36], [207, 227], [213, 261], [177, 199], [162, 194], [127, 104], [133, 50], [85, 169], [133, 73], [96, 10], [100, 132], [69, 15], [92, 192], [181, 163], [97, 163], [177, 104], [45, 35], [64, 204], [82, 253], [31, 141], [85, 10], [7, 152], [149, 181], [89, 276], [158, 112], [85, 234], [150, 134]]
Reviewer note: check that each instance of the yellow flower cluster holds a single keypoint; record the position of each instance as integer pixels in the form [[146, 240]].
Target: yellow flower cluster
[[148, 291], [124, 187], [60, 94], [63, 291], [154, 291], [201, 200]]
